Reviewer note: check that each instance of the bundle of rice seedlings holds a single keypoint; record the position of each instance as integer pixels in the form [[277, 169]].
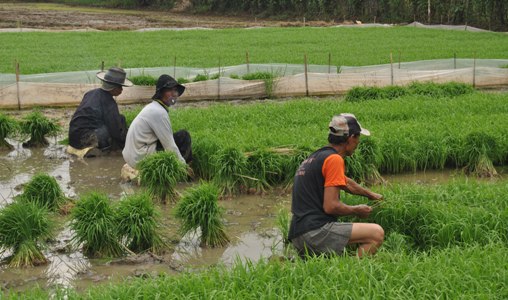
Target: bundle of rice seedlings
[[265, 169], [291, 164], [199, 209], [203, 151], [480, 149], [24, 226], [37, 126], [44, 191], [137, 221], [8, 128], [95, 228], [230, 166], [283, 223], [160, 172]]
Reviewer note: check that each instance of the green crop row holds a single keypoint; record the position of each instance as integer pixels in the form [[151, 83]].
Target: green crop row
[[262, 144], [73, 51], [475, 272]]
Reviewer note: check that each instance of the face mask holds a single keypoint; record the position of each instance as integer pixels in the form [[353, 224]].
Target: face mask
[[172, 100]]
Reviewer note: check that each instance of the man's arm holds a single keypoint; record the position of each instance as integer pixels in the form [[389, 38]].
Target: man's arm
[[354, 188], [333, 206]]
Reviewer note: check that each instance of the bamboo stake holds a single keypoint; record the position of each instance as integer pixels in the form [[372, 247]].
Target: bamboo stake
[[306, 76], [16, 64]]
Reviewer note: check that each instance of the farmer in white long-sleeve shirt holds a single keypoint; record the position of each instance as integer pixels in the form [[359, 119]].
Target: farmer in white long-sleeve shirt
[[151, 129]]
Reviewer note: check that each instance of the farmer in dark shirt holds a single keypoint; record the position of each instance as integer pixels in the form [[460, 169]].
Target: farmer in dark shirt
[[97, 123], [316, 203]]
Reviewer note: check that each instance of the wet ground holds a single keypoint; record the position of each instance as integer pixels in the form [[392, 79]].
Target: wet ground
[[250, 221]]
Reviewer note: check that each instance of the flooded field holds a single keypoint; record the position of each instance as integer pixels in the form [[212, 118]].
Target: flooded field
[[249, 219]]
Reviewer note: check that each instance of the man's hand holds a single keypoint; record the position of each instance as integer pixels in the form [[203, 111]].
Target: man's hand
[[363, 211], [375, 196]]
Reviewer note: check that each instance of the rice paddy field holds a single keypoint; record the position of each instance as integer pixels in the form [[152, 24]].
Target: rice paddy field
[[44, 52], [445, 240]]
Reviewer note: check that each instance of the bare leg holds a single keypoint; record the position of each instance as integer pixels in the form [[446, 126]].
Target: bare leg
[[370, 236]]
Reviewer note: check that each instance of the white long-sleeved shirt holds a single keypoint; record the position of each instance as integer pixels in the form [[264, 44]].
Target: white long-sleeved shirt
[[152, 124]]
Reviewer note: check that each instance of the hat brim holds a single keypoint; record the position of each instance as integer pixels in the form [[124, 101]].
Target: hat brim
[[364, 132], [181, 90], [126, 83]]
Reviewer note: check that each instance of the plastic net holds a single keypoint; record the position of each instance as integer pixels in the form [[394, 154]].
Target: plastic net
[[285, 80]]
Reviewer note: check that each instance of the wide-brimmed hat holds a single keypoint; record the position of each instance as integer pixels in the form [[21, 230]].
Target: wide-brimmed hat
[[346, 125], [167, 82], [115, 76]]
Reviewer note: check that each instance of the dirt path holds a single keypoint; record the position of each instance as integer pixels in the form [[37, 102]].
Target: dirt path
[[64, 17]]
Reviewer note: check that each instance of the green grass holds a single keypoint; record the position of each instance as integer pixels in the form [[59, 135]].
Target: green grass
[[474, 272], [199, 208], [143, 80], [428, 89], [24, 228], [138, 223], [71, 51], [44, 191], [160, 172], [94, 225]]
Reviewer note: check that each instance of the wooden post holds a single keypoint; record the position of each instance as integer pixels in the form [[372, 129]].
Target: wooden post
[[306, 77], [17, 83], [247, 61], [391, 67], [102, 66], [174, 68], [329, 62], [474, 69], [303, 21], [218, 83], [400, 54], [455, 60]]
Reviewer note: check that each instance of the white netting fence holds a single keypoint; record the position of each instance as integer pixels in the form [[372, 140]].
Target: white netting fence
[[67, 88]]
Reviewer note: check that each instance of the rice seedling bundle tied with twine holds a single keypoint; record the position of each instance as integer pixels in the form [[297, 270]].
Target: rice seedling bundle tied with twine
[[137, 221], [95, 228], [43, 190], [160, 172], [24, 227], [36, 126], [199, 209], [8, 128]]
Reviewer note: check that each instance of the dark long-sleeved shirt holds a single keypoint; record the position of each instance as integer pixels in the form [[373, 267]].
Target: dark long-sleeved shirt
[[97, 109]]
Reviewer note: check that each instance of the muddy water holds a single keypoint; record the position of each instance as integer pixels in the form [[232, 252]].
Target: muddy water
[[249, 219]]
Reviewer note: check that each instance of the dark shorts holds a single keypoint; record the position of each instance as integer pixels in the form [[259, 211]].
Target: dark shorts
[[330, 238]]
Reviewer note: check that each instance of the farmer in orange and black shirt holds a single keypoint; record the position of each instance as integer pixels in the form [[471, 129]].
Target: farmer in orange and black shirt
[[316, 197]]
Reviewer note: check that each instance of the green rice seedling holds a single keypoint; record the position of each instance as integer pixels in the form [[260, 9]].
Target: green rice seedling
[[138, 223], [203, 152], [146, 80], [44, 191], [160, 172], [292, 163], [358, 94], [369, 157], [182, 80], [95, 227], [230, 167], [8, 128], [37, 127], [234, 76], [480, 149], [24, 226], [394, 91], [258, 76], [199, 209], [265, 169], [130, 115], [201, 77], [215, 76], [283, 222]]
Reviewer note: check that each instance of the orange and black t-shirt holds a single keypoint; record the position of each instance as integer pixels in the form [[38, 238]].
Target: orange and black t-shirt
[[323, 168]]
